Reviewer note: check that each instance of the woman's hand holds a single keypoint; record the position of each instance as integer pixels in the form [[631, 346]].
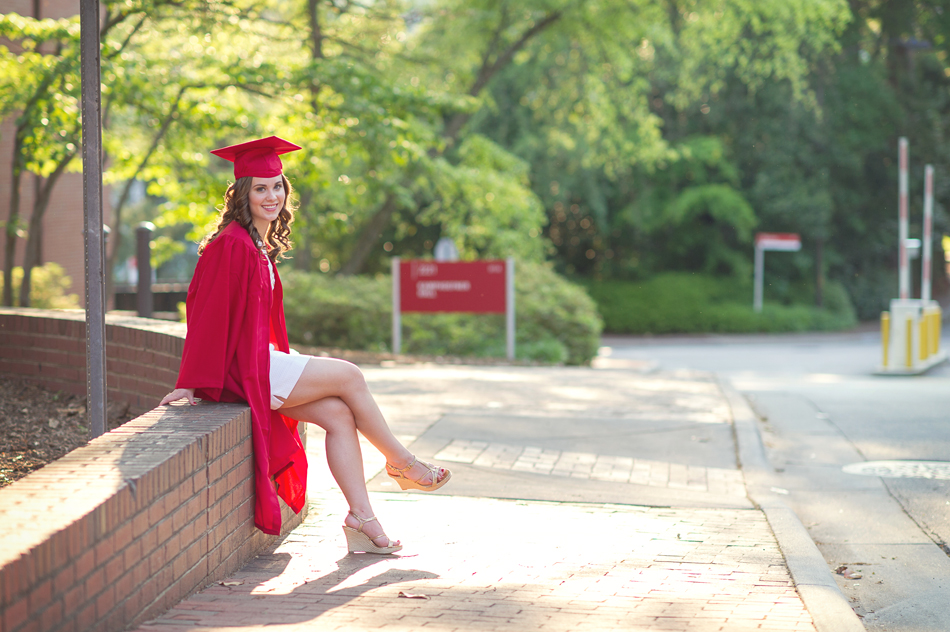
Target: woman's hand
[[179, 393]]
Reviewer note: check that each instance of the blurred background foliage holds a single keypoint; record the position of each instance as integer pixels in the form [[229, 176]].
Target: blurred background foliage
[[633, 145]]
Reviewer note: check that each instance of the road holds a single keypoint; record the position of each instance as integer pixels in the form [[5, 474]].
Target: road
[[823, 418]]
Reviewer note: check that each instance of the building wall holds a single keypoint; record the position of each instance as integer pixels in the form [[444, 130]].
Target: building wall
[[63, 221]]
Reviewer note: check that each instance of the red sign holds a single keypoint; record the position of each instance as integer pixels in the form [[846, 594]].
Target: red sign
[[778, 241], [457, 286]]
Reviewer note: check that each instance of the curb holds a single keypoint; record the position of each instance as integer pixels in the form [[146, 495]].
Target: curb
[[828, 606]]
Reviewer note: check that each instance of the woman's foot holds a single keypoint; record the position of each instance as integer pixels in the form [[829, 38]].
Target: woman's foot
[[367, 535], [416, 474]]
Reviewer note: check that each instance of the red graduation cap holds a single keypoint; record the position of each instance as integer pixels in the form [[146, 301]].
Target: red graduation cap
[[258, 158]]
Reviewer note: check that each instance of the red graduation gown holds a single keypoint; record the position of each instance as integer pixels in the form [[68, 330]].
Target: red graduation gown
[[232, 316]]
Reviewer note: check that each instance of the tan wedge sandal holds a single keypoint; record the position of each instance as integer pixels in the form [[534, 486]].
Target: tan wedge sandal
[[407, 483], [359, 542]]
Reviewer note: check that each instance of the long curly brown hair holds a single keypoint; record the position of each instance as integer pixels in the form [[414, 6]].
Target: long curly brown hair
[[237, 208]]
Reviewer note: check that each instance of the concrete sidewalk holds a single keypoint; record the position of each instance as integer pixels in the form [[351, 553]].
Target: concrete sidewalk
[[602, 499]]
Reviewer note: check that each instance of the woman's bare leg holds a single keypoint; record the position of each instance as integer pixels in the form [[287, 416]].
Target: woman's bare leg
[[328, 377], [343, 456]]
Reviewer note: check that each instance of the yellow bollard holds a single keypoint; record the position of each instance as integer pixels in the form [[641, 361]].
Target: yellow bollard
[[885, 333], [909, 343], [934, 330], [938, 318], [924, 326]]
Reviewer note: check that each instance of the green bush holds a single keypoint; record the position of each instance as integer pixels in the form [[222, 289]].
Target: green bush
[[48, 287], [695, 303], [555, 320]]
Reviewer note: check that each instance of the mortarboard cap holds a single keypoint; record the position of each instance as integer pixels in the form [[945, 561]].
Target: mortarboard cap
[[258, 158]]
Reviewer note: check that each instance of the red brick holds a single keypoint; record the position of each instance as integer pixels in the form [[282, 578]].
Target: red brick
[[74, 598], [164, 530], [104, 551], [52, 616], [149, 591], [124, 587], [95, 582], [132, 554], [105, 602], [15, 614], [180, 565], [149, 541], [140, 524], [11, 583], [157, 561], [86, 618], [114, 569], [40, 596], [64, 579], [123, 537]]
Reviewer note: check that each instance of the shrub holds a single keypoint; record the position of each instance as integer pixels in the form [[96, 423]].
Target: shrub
[[695, 303], [555, 320], [48, 287]]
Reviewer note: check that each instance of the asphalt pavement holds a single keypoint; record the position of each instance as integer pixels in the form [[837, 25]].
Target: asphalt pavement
[[861, 459], [607, 498]]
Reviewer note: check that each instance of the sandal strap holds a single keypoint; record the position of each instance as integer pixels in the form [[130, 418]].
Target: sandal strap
[[363, 522], [407, 468], [433, 471]]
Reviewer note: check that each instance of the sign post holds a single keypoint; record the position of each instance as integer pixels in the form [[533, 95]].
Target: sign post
[[786, 242], [928, 229], [90, 81], [479, 287], [903, 262]]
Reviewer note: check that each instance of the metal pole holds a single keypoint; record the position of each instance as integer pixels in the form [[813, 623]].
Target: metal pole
[[397, 304], [510, 307], [758, 281], [144, 301], [92, 213], [902, 206], [928, 230]]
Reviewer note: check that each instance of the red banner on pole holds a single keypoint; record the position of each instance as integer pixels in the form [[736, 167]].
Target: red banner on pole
[[458, 286]]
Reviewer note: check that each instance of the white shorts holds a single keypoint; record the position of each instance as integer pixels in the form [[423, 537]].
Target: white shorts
[[285, 371]]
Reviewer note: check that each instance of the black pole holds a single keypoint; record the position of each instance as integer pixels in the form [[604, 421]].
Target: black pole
[[143, 263], [92, 214]]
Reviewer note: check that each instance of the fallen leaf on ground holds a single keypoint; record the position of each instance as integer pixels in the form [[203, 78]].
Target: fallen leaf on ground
[[848, 574], [411, 596], [233, 582]]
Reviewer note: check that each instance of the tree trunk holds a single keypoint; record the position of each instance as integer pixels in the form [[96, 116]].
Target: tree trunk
[[35, 237], [13, 222], [34, 246]]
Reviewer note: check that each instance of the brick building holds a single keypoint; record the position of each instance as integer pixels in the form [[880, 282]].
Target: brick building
[[63, 221]]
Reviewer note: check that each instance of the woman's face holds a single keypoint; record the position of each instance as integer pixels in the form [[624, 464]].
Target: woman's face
[[266, 200]]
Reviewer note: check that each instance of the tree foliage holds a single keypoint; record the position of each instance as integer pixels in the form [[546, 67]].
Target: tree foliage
[[620, 138]]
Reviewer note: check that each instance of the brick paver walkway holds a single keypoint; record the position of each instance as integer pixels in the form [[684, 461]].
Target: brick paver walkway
[[490, 564], [598, 467]]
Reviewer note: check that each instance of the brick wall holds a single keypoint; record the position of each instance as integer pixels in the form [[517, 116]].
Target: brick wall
[[123, 528], [49, 347]]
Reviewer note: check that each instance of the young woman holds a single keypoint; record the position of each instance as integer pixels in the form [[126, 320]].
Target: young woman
[[236, 349]]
